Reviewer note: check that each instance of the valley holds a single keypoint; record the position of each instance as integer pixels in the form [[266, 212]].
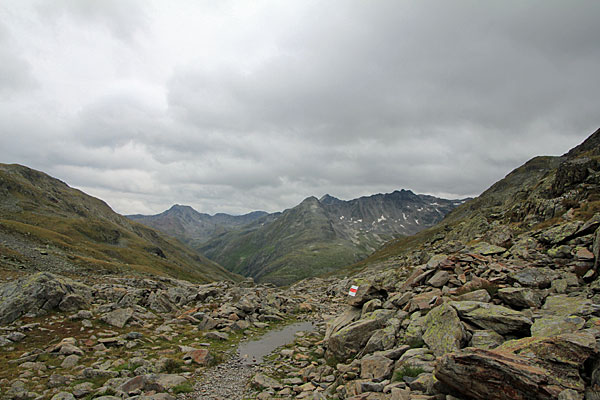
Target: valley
[[500, 299]]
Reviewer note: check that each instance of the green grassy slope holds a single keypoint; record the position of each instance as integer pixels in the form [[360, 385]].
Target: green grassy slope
[[83, 234]]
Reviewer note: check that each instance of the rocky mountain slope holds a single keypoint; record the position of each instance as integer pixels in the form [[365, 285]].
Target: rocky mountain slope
[[192, 227], [47, 226], [500, 301], [320, 235]]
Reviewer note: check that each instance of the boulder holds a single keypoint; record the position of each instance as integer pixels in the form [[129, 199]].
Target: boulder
[[199, 356], [376, 367], [562, 304], [118, 317], [262, 381], [560, 233], [365, 292], [439, 279], [560, 355], [487, 249], [500, 319], [492, 375], [443, 331], [350, 315], [352, 338], [486, 339], [521, 297], [426, 300], [536, 277], [556, 325], [37, 294], [476, 295]]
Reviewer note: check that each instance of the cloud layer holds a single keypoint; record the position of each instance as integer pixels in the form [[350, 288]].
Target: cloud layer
[[234, 106]]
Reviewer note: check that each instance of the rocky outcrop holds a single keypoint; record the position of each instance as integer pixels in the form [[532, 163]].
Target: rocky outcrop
[[40, 293]]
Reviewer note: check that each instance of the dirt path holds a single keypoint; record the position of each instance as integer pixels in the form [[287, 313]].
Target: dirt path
[[223, 382]]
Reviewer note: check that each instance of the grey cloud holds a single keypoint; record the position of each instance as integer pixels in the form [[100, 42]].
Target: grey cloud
[[123, 18], [341, 97]]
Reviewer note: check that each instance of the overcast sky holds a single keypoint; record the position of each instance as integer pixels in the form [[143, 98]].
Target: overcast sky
[[233, 106]]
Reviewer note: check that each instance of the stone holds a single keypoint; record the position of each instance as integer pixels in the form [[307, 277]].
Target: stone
[[359, 386], [216, 335], [72, 302], [487, 374], [521, 297], [486, 249], [570, 394], [486, 339], [37, 294], [413, 335], [70, 361], [556, 325], [425, 300], [352, 338], [262, 381], [82, 389], [376, 367], [559, 233], [476, 295], [500, 319], [16, 337], [371, 306], [439, 279], [382, 339], [443, 331], [559, 355], [536, 277], [365, 292], [68, 349], [199, 356], [350, 315], [562, 304], [168, 381], [118, 318], [63, 396]]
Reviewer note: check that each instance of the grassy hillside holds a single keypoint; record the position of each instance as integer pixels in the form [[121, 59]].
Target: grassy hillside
[[46, 225]]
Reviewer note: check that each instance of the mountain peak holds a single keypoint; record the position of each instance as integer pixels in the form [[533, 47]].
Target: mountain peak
[[591, 145], [329, 199]]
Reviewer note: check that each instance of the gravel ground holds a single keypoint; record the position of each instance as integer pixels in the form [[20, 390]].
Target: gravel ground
[[225, 381]]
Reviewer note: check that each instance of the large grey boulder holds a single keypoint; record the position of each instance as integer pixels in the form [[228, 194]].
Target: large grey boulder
[[38, 294], [118, 317], [500, 319], [349, 340], [444, 332]]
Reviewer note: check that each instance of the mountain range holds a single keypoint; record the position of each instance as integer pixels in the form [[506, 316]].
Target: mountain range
[[316, 236], [542, 192]]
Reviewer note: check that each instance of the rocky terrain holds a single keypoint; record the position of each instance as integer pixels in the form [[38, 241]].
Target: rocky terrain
[[321, 235], [64, 339]]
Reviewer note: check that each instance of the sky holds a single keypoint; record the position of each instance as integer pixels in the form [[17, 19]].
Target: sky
[[233, 106]]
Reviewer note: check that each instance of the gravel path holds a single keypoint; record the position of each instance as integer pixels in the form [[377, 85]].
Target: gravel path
[[225, 381]]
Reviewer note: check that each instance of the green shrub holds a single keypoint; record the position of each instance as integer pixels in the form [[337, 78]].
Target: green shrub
[[183, 388], [407, 370]]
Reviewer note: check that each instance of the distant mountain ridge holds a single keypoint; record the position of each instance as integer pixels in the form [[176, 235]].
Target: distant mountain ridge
[[316, 236], [45, 225], [193, 227]]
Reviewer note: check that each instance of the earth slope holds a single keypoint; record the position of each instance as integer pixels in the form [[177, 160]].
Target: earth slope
[[320, 235], [46, 225]]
